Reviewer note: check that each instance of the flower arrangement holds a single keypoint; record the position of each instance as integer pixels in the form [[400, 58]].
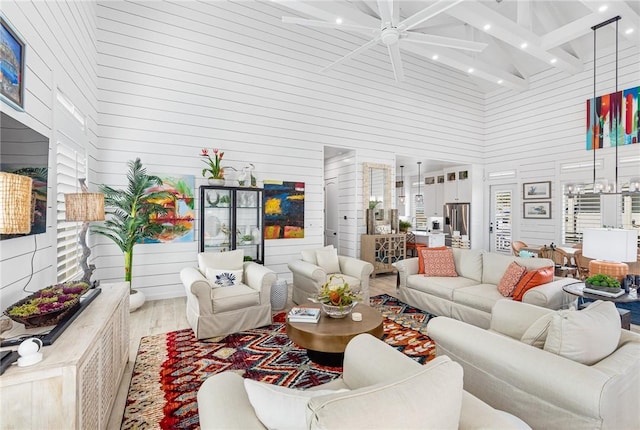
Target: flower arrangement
[[337, 292], [47, 302], [214, 170]]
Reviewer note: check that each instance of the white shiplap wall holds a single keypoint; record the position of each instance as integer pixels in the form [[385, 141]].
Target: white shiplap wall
[[178, 76], [60, 53], [538, 131]]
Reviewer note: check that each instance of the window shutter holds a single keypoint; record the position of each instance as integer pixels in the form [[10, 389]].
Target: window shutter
[[580, 212]]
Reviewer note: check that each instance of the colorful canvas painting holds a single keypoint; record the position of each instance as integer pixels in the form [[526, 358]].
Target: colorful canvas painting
[[178, 222], [610, 113], [284, 210], [11, 65]]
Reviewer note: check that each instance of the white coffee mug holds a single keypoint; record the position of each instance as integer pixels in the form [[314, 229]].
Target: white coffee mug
[[29, 351]]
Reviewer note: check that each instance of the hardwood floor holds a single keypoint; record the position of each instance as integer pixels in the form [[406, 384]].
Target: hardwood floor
[[161, 316]]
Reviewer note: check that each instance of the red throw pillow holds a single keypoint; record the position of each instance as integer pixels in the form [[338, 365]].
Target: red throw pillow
[[510, 278], [531, 279], [438, 262], [419, 247]]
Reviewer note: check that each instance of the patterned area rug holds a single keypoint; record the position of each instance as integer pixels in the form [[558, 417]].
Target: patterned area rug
[[170, 367]]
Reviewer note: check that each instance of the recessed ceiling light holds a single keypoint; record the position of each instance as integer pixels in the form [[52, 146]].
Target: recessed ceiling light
[[338, 20], [553, 60], [629, 31], [500, 81], [523, 45], [603, 8], [435, 57], [470, 70], [487, 27]]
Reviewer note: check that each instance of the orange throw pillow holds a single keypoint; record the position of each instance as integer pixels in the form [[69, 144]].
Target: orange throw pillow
[[510, 278], [531, 279], [419, 248], [438, 262]]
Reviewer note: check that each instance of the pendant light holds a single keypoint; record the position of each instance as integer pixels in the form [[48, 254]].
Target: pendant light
[[419, 198], [402, 197], [604, 186]]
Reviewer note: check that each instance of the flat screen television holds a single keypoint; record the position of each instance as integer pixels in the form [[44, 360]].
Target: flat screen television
[[24, 151]]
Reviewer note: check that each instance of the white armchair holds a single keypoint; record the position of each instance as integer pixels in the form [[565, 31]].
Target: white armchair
[[313, 270], [216, 308]]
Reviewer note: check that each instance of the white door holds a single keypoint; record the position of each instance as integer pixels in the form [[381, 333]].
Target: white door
[[331, 213], [501, 218]]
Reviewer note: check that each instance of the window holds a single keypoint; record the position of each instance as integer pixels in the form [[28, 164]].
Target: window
[[70, 166], [580, 212], [631, 213]]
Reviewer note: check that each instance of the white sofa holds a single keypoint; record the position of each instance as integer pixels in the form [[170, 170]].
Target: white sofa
[[470, 296], [392, 391], [547, 390]]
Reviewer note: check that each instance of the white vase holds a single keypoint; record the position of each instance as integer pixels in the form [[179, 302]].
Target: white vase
[[218, 182], [136, 300]]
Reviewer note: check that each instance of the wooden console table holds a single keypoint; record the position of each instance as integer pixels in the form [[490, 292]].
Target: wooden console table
[[75, 385], [382, 250]]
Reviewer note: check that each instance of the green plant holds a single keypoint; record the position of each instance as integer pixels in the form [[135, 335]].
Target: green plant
[[213, 169], [603, 281], [246, 238], [337, 292], [373, 204], [130, 211], [224, 200], [404, 225], [247, 258]]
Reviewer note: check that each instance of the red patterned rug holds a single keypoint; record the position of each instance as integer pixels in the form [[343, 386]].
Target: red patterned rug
[[170, 367]]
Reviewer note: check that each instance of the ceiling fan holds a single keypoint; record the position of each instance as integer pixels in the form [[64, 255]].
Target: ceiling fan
[[393, 33]]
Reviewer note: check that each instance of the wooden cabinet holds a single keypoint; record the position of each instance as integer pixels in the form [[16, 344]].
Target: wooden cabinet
[[232, 218], [382, 250], [75, 385]]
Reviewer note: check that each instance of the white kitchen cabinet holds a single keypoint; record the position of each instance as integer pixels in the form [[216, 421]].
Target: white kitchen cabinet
[[457, 186]]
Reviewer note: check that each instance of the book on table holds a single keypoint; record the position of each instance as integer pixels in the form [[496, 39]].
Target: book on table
[[602, 292], [302, 314]]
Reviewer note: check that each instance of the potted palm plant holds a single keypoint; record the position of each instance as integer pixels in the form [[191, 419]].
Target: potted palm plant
[[130, 211]]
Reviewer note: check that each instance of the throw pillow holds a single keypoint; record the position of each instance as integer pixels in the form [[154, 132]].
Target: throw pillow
[[281, 407], [223, 277], [536, 334], [585, 336], [420, 258], [438, 262], [531, 279], [510, 279], [309, 255], [231, 260], [328, 260]]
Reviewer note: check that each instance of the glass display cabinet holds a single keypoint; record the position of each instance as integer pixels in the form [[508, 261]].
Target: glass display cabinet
[[232, 218]]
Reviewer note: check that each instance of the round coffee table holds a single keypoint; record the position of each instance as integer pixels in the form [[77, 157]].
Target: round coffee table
[[326, 340], [577, 289]]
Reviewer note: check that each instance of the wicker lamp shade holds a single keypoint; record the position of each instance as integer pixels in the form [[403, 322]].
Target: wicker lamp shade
[[15, 203], [84, 207]]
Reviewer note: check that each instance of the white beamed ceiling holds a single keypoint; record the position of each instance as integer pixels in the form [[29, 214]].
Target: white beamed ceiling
[[558, 30]]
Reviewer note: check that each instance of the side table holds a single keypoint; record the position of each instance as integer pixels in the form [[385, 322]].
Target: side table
[[279, 294], [576, 289]]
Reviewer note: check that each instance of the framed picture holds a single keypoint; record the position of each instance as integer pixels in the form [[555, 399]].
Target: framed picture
[[463, 174], [441, 179], [12, 60], [539, 210], [451, 176], [430, 180], [536, 190]]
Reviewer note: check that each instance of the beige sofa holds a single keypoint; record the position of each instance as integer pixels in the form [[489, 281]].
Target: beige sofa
[[543, 388], [392, 391], [471, 296]]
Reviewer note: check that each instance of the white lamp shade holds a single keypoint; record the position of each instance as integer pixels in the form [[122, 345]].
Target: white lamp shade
[[610, 244]]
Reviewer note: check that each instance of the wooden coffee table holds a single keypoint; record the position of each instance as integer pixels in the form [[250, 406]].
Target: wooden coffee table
[[326, 340]]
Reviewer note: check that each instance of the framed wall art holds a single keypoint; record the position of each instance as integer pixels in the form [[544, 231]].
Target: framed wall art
[[537, 210], [12, 60], [536, 190]]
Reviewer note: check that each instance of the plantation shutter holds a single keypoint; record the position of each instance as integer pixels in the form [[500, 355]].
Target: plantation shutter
[[503, 221], [580, 212]]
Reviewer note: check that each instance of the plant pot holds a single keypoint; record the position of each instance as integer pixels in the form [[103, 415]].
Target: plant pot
[[218, 182], [136, 300]]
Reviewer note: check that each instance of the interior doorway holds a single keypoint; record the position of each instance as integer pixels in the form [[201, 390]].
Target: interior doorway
[[340, 196], [331, 213], [501, 227]]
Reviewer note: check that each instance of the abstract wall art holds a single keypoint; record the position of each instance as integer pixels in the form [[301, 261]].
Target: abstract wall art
[[284, 210], [610, 113], [12, 49]]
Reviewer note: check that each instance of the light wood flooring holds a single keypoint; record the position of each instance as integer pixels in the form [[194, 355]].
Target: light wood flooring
[[161, 316]]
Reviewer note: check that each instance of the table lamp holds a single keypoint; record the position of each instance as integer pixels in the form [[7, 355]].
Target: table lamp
[[84, 207], [15, 203], [610, 248]]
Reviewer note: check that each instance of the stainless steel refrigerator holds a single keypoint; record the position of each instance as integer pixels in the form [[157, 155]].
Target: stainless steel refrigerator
[[456, 218]]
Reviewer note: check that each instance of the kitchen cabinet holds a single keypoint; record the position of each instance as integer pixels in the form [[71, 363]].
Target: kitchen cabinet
[[457, 185], [382, 250], [433, 199], [232, 218]]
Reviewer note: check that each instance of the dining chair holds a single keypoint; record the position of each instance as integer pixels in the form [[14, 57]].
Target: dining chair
[[410, 244], [517, 247], [582, 263], [563, 262]]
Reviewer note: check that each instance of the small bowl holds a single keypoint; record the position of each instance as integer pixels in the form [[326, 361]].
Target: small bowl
[[338, 311]]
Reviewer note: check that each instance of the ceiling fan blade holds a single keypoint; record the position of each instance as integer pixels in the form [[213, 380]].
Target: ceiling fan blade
[[448, 42], [396, 61], [427, 13], [325, 24], [384, 9], [353, 53]]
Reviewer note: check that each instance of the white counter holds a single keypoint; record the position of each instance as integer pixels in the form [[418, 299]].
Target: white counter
[[432, 240]]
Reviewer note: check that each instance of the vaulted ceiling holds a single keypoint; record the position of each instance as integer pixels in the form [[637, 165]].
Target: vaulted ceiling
[[522, 37]]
